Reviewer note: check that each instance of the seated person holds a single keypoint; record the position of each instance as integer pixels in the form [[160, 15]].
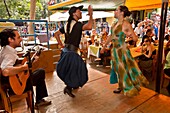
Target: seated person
[[130, 42], [83, 46], [93, 36], [139, 30], [167, 69], [149, 33], [167, 47], [145, 60], [89, 42], [106, 53], [104, 34], [167, 37], [10, 39]]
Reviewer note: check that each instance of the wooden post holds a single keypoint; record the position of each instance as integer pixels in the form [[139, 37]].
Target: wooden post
[[161, 41]]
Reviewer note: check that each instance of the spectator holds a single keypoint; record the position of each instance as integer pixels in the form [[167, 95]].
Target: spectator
[[145, 61]]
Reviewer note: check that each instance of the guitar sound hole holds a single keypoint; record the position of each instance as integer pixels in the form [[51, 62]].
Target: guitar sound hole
[[25, 71]]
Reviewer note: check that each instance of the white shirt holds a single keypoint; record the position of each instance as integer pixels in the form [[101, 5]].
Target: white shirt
[[138, 30], [8, 57]]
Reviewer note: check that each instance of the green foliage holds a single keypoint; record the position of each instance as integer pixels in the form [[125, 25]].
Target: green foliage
[[21, 9]]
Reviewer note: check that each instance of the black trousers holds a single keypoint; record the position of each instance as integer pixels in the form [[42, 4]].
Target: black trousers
[[38, 80]]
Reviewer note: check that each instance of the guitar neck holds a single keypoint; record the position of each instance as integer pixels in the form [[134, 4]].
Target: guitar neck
[[37, 53]]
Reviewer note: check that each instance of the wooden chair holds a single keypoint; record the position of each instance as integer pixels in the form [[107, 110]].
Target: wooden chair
[[163, 79], [164, 76], [154, 65], [7, 98]]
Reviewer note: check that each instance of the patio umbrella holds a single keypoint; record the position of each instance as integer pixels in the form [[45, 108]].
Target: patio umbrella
[[59, 16], [96, 14]]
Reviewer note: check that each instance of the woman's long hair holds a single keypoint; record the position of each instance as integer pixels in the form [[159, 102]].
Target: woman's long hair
[[125, 10]]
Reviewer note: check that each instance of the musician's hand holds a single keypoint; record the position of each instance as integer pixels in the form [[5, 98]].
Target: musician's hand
[[36, 58], [25, 66]]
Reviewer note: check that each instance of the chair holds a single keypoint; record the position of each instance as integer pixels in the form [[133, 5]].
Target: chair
[[163, 79], [164, 75], [12, 98], [154, 65], [8, 99]]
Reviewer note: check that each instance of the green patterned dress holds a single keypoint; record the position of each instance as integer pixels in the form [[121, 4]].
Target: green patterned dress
[[129, 75]]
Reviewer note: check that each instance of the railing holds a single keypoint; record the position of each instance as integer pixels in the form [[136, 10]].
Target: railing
[[41, 21]]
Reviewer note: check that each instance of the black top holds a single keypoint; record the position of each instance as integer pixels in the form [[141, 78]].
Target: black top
[[144, 58], [75, 35]]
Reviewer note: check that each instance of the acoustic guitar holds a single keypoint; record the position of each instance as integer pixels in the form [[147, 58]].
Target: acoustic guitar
[[18, 81]]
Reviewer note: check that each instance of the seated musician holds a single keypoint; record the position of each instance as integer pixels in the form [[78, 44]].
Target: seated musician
[[145, 60], [9, 40]]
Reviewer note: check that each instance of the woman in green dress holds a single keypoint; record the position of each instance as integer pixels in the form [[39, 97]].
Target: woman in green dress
[[130, 77]]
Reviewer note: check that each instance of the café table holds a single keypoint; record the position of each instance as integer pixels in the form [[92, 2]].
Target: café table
[[136, 51], [94, 51]]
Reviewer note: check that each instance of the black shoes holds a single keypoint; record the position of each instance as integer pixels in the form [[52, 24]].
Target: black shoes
[[69, 92], [118, 90], [42, 102]]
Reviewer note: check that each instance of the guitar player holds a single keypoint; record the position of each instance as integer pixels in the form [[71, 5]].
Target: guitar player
[[9, 40]]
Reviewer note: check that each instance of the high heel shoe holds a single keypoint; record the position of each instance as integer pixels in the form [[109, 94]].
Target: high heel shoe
[[69, 92], [118, 90]]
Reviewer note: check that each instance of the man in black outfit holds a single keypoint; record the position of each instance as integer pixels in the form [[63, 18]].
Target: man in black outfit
[[71, 68]]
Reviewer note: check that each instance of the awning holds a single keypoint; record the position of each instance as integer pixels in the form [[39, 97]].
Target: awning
[[64, 3], [98, 5], [143, 4], [59, 16], [4, 25], [63, 16]]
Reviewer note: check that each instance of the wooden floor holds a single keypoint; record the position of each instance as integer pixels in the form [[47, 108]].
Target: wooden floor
[[97, 97]]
